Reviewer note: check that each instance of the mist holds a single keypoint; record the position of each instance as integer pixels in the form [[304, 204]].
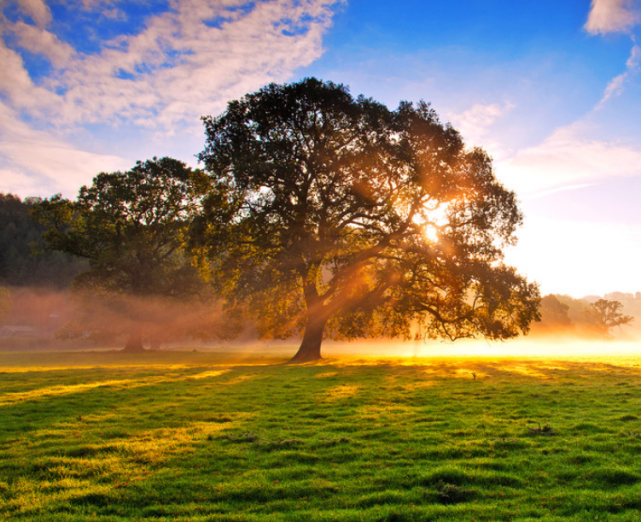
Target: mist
[[49, 319], [41, 318]]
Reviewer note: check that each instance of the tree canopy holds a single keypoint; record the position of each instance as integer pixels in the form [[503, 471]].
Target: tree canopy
[[335, 216], [607, 314], [554, 313], [132, 227]]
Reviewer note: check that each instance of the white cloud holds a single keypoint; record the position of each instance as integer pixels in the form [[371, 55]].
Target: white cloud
[[182, 65], [616, 16], [59, 167], [565, 160], [41, 41], [16, 83], [612, 16], [14, 181], [37, 10], [144, 78]]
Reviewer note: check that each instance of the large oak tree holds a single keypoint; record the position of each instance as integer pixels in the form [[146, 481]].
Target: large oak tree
[[338, 217]]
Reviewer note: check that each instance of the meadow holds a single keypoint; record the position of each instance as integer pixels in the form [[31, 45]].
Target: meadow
[[214, 437]]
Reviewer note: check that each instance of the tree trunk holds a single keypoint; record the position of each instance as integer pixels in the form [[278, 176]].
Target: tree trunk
[[310, 348], [134, 343]]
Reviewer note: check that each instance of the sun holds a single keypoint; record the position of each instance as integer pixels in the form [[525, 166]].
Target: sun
[[431, 233]]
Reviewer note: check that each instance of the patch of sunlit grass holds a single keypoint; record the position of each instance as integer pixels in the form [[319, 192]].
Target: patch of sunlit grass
[[326, 374], [343, 391], [419, 385], [40, 393], [527, 370], [469, 373], [238, 379], [208, 375]]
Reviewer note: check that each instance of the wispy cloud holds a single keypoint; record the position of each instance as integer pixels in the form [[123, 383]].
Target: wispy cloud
[[616, 85], [475, 124], [475, 121], [565, 161]]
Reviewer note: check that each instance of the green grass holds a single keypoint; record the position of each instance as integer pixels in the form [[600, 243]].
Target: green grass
[[205, 437]]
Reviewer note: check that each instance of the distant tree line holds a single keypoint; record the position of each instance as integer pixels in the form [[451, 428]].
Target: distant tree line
[[590, 317]]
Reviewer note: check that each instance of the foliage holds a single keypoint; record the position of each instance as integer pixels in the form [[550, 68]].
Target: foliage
[[132, 228], [608, 314], [555, 316], [20, 238], [219, 440], [553, 312], [334, 214]]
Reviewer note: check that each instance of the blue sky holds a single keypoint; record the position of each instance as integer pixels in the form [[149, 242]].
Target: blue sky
[[551, 89]]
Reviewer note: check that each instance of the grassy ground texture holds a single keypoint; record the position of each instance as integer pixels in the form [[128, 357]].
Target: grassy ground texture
[[205, 437]]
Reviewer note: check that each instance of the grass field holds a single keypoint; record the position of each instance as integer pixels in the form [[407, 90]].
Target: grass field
[[205, 436]]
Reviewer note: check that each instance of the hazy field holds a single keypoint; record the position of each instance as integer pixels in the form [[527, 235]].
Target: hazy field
[[212, 436]]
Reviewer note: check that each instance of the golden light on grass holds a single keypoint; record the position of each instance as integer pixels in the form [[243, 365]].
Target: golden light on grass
[[343, 391], [527, 370], [467, 373], [238, 380], [326, 374], [12, 398], [207, 375], [420, 385], [51, 391], [126, 462]]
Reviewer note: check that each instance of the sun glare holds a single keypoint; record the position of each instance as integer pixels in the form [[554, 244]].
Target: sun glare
[[431, 233], [430, 220]]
